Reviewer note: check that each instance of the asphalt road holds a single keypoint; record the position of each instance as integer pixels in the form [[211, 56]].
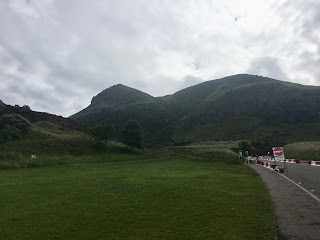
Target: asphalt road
[[297, 213], [305, 175]]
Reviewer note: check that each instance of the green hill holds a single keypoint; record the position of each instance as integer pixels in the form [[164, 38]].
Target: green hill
[[235, 107], [34, 116]]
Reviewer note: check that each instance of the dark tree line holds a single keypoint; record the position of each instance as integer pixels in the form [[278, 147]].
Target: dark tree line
[[131, 135]]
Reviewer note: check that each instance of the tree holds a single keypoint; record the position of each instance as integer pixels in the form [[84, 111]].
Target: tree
[[26, 107], [13, 126], [101, 133], [244, 146], [132, 134]]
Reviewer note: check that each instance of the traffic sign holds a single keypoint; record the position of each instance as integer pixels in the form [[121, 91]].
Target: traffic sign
[[278, 154], [278, 151]]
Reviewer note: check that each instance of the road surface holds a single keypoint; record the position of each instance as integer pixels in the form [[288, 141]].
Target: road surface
[[297, 213], [303, 174]]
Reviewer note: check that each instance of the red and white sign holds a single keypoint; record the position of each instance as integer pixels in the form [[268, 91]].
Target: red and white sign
[[278, 153]]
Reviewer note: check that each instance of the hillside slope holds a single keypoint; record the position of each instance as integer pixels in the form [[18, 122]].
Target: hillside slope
[[234, 107], [34, 116]]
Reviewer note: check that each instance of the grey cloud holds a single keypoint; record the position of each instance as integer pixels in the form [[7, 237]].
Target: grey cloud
[[56, 55], [267, 66], [306, 25], [190, 81], [113, 45]]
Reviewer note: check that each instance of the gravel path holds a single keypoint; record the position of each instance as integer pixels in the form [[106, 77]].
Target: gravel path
[[297, 213]]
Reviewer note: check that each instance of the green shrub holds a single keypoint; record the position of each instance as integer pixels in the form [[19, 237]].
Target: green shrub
[[99, 146], [101, 133], [132, 134], [244, 146], [13, 127]]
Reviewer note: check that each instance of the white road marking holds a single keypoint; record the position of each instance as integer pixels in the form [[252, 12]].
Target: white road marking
[[312, 195]]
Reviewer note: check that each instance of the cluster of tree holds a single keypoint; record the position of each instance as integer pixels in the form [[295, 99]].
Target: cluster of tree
[[244, 146], [131, 135], [13, 127], [100, 133]]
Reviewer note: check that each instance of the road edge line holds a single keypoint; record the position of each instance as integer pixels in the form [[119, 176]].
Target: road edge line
[[312, 195]]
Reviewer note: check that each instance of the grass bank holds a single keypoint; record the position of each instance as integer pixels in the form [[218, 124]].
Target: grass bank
[[213, 150], [303, 150], [54, 145]]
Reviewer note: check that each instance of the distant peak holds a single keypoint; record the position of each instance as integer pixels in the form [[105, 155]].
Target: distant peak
[[120, 92], [119, 85]]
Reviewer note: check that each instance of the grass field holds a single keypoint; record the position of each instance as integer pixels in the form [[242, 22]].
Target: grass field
[[160, 198], [73, 192]]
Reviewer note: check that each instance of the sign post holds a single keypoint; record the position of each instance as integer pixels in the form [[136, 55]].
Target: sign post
[[278, 154]]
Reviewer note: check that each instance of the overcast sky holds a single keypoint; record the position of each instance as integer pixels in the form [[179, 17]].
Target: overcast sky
[[55, 55]]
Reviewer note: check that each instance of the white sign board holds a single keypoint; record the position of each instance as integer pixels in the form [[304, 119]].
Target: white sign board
[[278, 154]]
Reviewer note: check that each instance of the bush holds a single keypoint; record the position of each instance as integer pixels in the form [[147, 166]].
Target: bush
[[99, 146], [13, 127], [132, 134], [181, 142], [244, 146], [101, 133]]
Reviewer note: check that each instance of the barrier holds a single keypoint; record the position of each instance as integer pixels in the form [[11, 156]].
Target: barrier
[[274, 166], [292, 161], [268, 165], [314, 163]]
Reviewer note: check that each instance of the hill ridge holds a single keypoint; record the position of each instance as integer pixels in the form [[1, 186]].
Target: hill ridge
[[34, 116], [266, 103], [120, 92]]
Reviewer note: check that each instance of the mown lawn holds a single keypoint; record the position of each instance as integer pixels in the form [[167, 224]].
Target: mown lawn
[[170, 197]]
